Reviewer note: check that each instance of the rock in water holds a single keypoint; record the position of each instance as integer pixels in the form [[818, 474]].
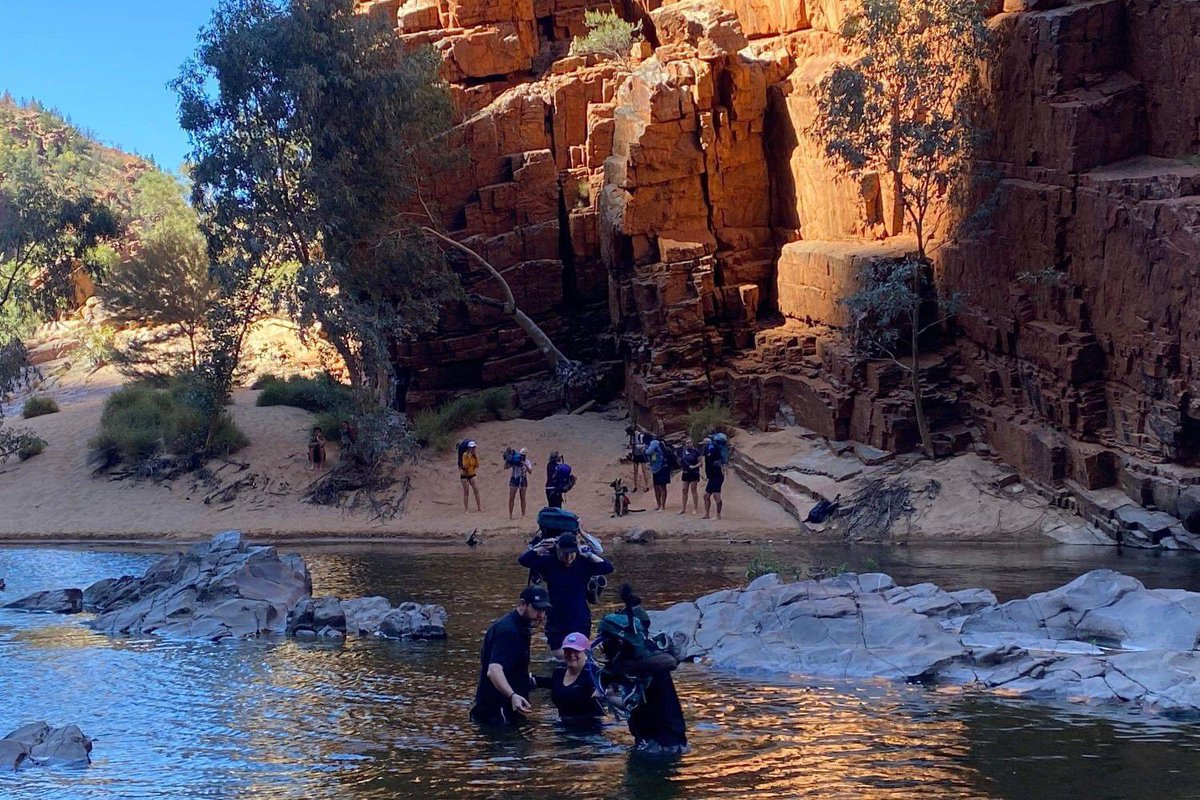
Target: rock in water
[[414, 621], [219, 589], [54, 601], [1050, 644], [38, 743]]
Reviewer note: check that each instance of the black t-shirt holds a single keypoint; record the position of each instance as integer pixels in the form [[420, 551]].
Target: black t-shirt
[[567, 587], [713, 466], [574, 702], [659, 717], [506, 643]]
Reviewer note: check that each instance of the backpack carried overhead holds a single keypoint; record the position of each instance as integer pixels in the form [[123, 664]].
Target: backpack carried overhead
[[554, 521]]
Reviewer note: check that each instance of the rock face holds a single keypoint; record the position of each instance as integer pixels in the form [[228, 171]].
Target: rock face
[[54, 601], [38, 743], [1101, 639], [671, 213], [226, 588]]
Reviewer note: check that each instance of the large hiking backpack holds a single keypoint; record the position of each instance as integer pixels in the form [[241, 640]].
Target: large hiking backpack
[[670, 457], [462, 448], [721, 442], [555, 521]]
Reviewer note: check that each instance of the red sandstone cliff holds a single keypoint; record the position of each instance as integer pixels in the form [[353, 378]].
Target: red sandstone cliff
[[674, 216]]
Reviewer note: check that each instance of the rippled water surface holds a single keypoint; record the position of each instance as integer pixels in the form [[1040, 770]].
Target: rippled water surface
[[373, 719]]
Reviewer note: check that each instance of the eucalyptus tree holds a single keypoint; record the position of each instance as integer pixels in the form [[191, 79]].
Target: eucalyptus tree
[[904, 107], [312, 128]]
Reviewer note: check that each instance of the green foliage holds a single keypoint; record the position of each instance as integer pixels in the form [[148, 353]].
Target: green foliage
[[608, 36], [436, 428], [142, 421], [1047, 276], [15, 369], [263, 380], [166, 280], [39, 405], [708, 419], [766, 562], [318, 395], [894, 298], [905, 107], [19, 442], [97, 345], [310, 125]]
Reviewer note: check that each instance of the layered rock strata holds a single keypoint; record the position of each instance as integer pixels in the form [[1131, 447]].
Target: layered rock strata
[[670, 210], [1102, 639]]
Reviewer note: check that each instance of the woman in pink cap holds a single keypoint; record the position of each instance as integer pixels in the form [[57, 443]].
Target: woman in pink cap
[[573, 686]]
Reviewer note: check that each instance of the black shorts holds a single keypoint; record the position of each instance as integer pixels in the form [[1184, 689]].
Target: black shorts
[[662, 477], [639, 458], [517, 483], [690, 475], [714, 484]]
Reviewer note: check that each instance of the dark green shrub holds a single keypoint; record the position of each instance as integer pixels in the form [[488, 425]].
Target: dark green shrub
[[709, 419], [141, 421], [262, 380], [436, 428], [39, 405], [33, 446], [316, 395]]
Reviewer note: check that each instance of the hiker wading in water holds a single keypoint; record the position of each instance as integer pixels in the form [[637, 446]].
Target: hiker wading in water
[[566, 568], [502, 694]]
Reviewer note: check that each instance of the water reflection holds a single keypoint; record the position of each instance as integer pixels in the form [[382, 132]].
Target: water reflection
[[375, 719]]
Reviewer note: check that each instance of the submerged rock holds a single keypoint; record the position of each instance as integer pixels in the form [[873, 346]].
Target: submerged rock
[[38, 743], [1061, 643], [54, 601]]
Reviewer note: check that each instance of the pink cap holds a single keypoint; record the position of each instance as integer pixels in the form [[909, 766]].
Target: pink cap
[[576, 641]]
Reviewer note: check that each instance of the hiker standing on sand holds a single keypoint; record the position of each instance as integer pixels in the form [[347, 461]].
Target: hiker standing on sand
[[560, 482], [316, 449], [520, 468], [468, 466], [689, 460], [637, 454], [714, 471], [660, 471]]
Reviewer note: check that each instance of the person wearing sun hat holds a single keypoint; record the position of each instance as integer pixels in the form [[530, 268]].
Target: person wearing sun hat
[[572, 685], [502, 695], [468, 465]]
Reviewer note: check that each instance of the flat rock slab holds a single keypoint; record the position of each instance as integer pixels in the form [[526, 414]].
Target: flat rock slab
[[1103, 638], [54, 601]]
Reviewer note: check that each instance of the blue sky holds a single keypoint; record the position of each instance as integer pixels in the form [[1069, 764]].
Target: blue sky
[[104, 64]]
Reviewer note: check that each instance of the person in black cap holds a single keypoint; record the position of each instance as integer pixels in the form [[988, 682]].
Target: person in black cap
[[566, 569], [502, 696]]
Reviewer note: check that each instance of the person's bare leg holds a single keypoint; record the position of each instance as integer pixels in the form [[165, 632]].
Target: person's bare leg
[[645, 477], [512, 497], [636, 472], [707, 505], [523, 501], [466, 495], [475, 489], [685, 491], [717, 495]]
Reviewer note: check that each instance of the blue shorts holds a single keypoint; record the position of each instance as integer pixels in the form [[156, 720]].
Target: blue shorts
[[662, 477]]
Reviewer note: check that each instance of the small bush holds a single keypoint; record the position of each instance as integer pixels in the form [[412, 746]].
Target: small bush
[[709, 419], [316, 395], [33, 446], [766, 562], [39, 405], [436, 428], [608, 36], [141, 421], [98, 346], [266, 378]]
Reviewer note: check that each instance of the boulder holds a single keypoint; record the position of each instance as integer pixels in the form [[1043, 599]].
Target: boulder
[[1188, 508], [365, 614], [414, 621], [40, 744], [640, 536], [317, 615], [1051, 644], [54, 601]]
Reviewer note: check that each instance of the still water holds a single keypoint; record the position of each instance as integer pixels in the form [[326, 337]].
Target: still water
[[373, 719]]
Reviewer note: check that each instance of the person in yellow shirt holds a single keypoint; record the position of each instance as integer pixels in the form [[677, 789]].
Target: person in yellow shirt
[[468, 465]]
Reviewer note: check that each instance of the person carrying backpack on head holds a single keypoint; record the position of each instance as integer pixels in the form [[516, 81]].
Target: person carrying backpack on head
[[468, 466]]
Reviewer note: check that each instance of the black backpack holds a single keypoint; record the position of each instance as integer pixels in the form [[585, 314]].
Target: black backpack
[[670, 457]]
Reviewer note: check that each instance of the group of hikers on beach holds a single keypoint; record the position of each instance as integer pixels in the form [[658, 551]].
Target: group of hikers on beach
[[622, 670], [654, 462]]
